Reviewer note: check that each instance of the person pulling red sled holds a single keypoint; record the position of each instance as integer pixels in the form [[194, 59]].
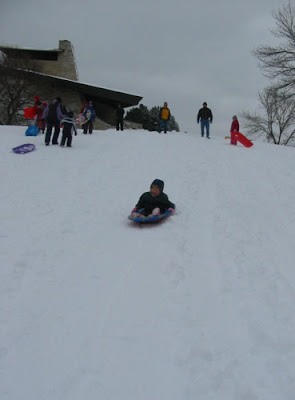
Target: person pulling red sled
[[236, 136]]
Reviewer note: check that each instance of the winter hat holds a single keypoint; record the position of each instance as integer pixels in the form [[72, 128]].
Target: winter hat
[[159, 183], [70, 114]]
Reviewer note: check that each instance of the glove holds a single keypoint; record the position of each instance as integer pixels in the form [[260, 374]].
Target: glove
[[197, 122], [134, 212], [75, 133], [171, 210]]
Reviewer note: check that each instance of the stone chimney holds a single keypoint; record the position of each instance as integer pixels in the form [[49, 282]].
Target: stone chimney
[[66, 61]]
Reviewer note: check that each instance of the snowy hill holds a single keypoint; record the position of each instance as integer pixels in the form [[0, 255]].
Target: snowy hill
[[95, 307]]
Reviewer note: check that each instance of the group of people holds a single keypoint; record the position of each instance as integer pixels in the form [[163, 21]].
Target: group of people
[[204, 116], [150, 203], [54, 115]]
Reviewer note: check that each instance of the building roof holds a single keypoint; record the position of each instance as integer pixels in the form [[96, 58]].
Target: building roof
[[95, 93], [49, 55]]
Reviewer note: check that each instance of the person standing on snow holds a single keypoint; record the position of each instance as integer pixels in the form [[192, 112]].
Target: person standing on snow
[[235, 127], [53, 115], [90, 115], [206, 117], [164, 117], [69, 127], [120, 117]]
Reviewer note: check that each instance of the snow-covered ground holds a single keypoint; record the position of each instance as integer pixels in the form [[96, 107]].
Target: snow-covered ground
[[94, 307]]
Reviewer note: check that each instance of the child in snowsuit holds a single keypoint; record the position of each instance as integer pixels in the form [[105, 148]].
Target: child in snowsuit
[[154, 202], [69, 126], [235, 127]]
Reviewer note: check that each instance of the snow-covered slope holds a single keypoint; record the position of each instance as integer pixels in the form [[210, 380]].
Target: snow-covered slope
[[93, 306]]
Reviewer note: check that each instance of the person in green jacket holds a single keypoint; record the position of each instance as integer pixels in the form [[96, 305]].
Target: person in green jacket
[[154, 202]]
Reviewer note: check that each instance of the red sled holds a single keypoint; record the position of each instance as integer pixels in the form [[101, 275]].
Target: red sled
[[29, 112], [239, 137]]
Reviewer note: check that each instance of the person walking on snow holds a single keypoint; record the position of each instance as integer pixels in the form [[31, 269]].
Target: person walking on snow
[[206, 117], [164, 117]]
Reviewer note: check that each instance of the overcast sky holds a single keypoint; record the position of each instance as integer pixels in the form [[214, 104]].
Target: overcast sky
[[182, 52]]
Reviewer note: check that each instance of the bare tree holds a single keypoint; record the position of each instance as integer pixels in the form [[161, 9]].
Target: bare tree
[[278, 62], [14, 89], [277, 120]]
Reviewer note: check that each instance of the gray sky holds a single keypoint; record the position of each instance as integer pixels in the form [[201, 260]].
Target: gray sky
[[182, 52]]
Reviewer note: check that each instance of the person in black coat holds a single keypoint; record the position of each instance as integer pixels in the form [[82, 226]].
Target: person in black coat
[[120, 117], [52, 114], [206, 117], [154, 202]]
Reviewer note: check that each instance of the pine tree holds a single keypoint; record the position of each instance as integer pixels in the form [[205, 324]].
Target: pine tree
[[149, 119]]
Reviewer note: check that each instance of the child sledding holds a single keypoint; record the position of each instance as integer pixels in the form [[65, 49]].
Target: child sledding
[[152, 206]]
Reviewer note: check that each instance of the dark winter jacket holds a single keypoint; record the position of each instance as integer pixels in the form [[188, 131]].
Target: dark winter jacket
[[53, 112], [69, 126], [120, 113], [205, 113], [149, 202]]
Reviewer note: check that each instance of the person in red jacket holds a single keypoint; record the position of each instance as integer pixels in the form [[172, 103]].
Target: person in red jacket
[[235, 127]]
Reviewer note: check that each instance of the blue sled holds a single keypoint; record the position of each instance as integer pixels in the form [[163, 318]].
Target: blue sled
[[32, 131], [24, 148], [141, 219]]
